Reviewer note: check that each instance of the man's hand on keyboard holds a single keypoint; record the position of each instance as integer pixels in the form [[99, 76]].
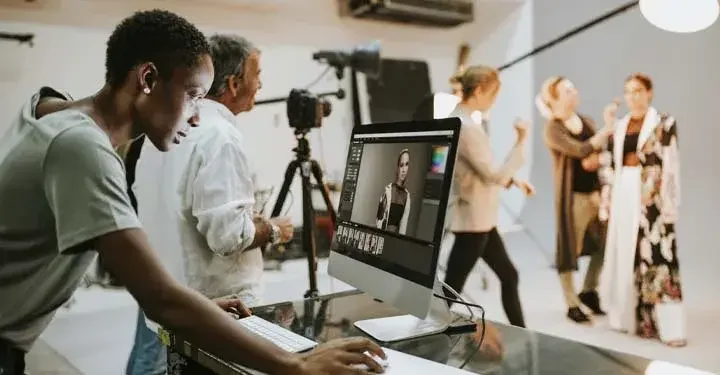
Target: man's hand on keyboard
[[337, 357], [233, 305]]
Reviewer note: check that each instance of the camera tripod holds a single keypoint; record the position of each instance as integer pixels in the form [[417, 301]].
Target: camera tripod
[[306, 166]]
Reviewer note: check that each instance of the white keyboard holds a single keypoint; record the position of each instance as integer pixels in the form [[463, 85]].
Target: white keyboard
[[279, 336]]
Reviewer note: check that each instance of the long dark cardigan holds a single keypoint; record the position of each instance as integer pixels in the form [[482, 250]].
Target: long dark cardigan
[[565, 148]]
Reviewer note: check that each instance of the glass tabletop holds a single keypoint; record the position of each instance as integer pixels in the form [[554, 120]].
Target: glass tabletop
[[524, 351]]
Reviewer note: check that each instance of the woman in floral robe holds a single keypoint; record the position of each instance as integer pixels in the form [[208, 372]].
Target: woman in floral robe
[[640, 279]]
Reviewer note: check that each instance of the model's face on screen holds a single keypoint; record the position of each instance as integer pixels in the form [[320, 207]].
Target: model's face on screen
[[403, 167]]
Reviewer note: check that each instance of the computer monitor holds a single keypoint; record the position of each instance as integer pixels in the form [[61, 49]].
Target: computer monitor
[[390, 221]]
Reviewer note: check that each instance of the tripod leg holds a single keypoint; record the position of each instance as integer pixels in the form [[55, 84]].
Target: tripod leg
[[285, 188], [320, 179], [308, 234]]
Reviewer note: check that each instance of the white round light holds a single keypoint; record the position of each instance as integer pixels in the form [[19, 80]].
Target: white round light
[[680, 16], [667, 368]]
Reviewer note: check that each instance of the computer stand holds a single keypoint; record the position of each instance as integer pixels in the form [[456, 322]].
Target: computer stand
[[304, 164], [404, 327]]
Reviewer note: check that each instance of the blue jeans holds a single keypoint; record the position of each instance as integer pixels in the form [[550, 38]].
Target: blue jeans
[[148, 355]]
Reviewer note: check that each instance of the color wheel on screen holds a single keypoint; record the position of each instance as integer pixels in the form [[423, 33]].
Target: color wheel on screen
[[439, 159]]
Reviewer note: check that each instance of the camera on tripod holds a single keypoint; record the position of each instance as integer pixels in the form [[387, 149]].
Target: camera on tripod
[[306, 110]]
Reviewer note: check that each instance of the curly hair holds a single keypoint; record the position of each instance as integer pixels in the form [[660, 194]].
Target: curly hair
[[158, 36]]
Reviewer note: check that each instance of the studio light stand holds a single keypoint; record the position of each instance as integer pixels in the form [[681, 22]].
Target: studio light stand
[[362, 59]]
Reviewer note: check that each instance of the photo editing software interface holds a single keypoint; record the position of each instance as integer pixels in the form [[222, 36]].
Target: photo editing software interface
[[394, 195]]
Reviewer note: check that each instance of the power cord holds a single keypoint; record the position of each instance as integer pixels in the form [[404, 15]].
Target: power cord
[[462, 301], [482, 324], [313, 83], [459, 297]]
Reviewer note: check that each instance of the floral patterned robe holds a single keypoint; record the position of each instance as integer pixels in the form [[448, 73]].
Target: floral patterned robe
[[656, 270]]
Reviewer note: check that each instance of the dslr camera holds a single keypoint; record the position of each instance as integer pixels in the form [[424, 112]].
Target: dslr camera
[[306, 110]]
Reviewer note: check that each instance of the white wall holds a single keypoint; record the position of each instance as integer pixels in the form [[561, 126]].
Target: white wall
[[70, 44], [513, 38], [684, 70]]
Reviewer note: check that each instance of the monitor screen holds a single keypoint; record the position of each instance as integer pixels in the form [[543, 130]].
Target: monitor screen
[[393, 201]]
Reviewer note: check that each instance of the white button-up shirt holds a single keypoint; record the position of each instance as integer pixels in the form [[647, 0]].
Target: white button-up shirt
[[196, 205]]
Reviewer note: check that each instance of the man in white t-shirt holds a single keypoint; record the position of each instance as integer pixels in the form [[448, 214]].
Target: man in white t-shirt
[[206, 232]]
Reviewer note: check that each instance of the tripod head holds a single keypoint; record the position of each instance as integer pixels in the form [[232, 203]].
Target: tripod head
[[302, 150]]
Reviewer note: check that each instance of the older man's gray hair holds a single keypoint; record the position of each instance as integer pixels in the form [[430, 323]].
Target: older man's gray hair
[[229, 54]]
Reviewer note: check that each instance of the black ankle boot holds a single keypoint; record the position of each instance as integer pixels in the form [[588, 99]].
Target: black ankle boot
[[577, 315], [592, 301]]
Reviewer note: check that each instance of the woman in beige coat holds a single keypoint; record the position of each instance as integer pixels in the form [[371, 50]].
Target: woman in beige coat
[[477, 187]]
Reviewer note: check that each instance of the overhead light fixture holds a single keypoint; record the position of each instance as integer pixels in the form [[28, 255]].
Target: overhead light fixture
[[680, 16], [365, 59]]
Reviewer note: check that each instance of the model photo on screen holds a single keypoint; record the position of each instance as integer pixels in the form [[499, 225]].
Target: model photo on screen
[[390, 193], [341, 235], [380, 244], [394, 206], [361, 246], [356, 240], [373, 244]]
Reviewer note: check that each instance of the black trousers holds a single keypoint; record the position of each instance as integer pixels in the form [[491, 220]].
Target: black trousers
[[489, 246], [12, 361]]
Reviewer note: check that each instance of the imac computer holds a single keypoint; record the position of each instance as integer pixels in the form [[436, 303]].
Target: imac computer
[[391, 219]]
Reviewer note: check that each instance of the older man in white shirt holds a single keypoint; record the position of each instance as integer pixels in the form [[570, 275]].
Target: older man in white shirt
[[196, 202]]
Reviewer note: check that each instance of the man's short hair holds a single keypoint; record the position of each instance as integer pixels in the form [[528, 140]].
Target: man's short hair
[[157, 36], [229, 54]]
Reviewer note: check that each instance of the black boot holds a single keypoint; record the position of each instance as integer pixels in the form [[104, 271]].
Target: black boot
[[577, 315], [592, 301]]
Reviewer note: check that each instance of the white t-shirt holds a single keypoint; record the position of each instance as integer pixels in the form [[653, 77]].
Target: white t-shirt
[[196, 204]]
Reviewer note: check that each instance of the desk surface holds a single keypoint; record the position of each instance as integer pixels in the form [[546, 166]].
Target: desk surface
[[332, 316]]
